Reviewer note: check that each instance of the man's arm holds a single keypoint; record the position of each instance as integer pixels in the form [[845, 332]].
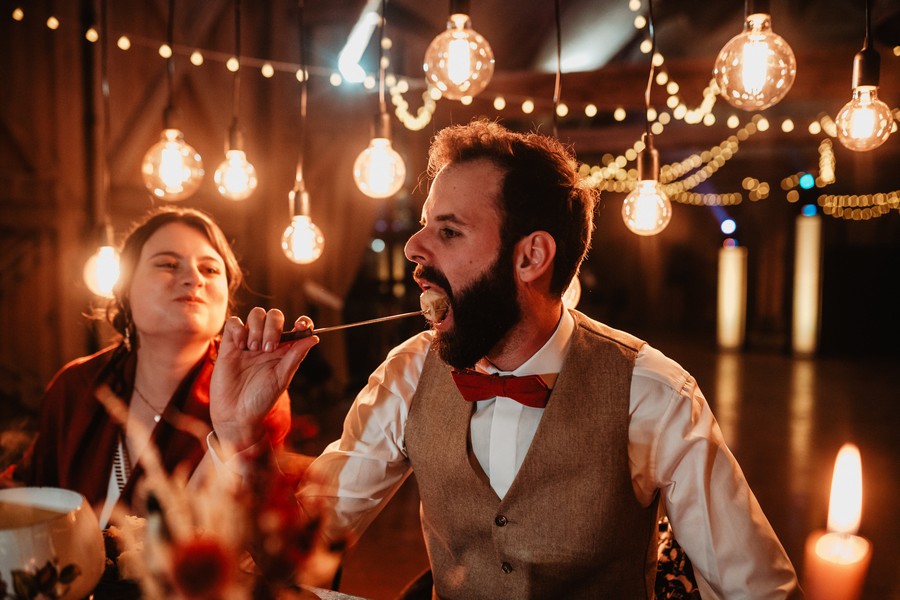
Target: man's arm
[[357, 474], [676, 446]]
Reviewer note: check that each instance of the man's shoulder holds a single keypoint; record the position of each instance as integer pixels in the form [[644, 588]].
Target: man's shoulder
[[649, 362], [407, 358], [604, 331], [417, 344]]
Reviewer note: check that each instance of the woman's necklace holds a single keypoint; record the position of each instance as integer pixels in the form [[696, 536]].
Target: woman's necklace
[[157, 416]]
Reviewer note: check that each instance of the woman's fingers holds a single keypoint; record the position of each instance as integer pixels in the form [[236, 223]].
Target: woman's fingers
[[262, 330], [302, 323], [256, 325], [292, 358], [271, 331], [234, 334]]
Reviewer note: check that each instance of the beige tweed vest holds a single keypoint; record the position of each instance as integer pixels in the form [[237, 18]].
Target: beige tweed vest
[[569, 526]]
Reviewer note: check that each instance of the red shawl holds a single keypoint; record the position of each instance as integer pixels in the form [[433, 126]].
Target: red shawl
[[77, 439]]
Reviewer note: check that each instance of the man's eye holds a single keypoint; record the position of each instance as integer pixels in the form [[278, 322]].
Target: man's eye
[[449, 233], [167, 265]]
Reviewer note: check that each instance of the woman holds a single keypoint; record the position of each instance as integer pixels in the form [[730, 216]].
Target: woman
[[178, 278]]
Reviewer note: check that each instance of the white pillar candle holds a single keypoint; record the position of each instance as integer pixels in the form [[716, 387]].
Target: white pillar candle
[[732, 297], [807, 284]]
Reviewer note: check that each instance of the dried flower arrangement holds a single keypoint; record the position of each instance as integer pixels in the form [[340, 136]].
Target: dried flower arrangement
[[218, 540]]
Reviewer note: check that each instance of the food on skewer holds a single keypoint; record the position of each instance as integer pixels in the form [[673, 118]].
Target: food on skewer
[[434, 308], [434, 305]]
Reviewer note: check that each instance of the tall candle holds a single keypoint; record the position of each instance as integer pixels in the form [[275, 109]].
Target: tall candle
[[837, 559], [807, 284], [732, 296]]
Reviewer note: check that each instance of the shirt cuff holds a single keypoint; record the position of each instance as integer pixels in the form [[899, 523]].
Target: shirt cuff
[[238, 466]]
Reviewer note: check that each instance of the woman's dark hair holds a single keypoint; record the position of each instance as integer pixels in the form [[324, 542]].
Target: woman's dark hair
[[118, 311], [540, 189]]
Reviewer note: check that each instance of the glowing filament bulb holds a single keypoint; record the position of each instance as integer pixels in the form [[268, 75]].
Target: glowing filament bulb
[[101, 271], [647, 210], [755, 53], [865, 122], [459, 62], [236, 177], [756, 68], [379, 171], [302, 241], [172, 169]]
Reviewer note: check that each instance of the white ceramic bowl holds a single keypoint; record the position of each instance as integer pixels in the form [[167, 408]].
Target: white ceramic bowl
[[41, 524]]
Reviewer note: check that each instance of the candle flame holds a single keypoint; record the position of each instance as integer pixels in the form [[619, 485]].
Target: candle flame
[[845, 506]]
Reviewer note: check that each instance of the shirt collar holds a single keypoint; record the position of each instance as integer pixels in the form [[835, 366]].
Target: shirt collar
[[549, 359]]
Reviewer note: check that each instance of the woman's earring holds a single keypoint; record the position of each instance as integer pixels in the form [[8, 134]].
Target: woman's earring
[[126, 338]]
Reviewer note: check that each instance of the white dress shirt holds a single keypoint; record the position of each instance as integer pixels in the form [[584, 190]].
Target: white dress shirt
[[675, 448]]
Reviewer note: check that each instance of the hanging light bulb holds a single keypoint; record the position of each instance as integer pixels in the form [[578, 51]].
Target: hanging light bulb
[[236, 177], [101, 271], [379, 171], [647, 210], [172, 169], [865, 122], [756, 68], [302, 241], [459, 62]]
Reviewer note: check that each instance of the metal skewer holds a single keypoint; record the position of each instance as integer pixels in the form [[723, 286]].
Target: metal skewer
[[290, 336]]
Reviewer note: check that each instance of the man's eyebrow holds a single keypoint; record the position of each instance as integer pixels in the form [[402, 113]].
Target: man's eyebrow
[[449, 218]]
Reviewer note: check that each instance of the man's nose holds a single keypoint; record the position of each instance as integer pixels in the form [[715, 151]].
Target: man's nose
[[415, 250]]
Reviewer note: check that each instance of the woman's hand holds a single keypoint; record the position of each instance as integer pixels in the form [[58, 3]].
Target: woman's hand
[[251, 372]]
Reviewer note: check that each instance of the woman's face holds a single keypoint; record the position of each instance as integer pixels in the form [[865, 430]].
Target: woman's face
[[179, 287]]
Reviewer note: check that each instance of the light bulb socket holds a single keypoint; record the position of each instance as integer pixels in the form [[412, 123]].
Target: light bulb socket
[[299, 197], [105, 235], [459, 7], [381, 127], [648, 163], [171, 117], [235, 137], [753, 7], [866, 67]]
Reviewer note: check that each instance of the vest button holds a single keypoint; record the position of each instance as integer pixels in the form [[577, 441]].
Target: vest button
[[506, 567], [500, 521]]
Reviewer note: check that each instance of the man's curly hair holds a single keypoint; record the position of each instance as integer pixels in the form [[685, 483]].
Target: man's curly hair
[[540, 189]]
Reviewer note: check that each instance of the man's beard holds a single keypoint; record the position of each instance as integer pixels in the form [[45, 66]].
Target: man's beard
[[483, 312]]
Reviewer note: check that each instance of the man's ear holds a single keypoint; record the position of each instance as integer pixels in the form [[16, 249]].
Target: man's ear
[[534, 255]]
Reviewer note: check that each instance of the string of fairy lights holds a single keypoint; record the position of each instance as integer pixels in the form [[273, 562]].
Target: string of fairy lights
[[616, 173]]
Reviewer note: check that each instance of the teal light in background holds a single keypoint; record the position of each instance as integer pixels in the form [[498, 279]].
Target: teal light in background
[[807, 181]]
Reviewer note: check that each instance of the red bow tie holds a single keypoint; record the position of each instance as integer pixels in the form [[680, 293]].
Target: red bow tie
[[530, 390]]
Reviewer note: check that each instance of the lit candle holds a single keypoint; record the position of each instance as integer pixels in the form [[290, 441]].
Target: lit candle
[[837, 560], [732, 296]]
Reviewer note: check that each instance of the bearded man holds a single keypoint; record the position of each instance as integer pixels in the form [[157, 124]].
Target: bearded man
[[552, 495]]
